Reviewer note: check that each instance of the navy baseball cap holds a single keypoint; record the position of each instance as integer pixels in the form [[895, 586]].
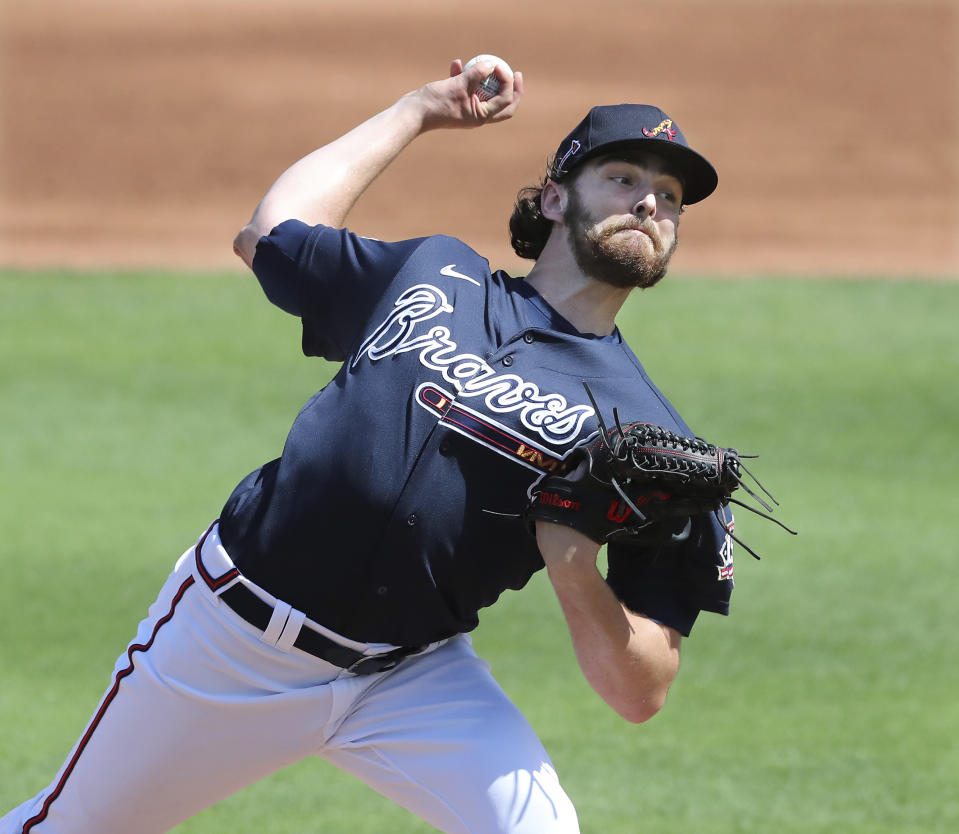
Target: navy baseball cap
[[641, 127]]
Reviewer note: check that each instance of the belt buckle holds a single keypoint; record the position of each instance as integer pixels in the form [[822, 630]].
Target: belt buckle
[[371, 664]]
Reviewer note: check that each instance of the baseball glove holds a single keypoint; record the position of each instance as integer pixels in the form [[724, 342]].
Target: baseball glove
[[630, 478]]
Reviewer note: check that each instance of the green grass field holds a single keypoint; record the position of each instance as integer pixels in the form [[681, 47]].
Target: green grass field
[[130, 404]]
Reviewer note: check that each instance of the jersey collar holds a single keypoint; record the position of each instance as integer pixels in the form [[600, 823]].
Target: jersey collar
[[553, 319]]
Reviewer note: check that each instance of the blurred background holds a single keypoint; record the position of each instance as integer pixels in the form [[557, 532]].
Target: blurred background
[[143, 132]]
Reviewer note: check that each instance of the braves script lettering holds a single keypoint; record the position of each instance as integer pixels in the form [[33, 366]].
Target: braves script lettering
[[547, 414]]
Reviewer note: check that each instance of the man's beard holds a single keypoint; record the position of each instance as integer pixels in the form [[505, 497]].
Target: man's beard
[[603, 257]]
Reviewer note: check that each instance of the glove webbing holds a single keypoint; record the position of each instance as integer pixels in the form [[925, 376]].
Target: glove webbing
[[623, 447]]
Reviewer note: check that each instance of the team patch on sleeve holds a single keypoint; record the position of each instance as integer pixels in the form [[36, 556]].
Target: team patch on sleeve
[[725, 566]]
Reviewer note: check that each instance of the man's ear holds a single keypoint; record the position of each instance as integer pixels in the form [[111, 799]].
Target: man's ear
[[553, 200]]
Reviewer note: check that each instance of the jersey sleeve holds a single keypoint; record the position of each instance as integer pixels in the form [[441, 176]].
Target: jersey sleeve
[[675, 572], [330, 278]]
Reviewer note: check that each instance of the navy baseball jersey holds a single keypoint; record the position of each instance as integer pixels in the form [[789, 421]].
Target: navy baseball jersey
[[393, 513]]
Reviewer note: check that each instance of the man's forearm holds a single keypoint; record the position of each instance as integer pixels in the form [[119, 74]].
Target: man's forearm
[[629, 660], [323, 186]]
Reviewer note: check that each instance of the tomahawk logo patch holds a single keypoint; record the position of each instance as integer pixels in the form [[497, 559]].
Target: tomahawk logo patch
[[573, 149], [492, 434]]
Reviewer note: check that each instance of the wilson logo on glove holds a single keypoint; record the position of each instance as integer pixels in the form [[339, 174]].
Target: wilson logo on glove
[[554, 499], [619, 511]]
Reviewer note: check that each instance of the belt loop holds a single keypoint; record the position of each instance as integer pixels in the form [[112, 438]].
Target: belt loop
[[217, 584], [274, 631], [291, 630]]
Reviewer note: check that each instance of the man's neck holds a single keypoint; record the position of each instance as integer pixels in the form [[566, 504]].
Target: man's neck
[[591, 306]]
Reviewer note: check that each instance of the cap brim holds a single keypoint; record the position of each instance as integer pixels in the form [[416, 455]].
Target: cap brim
[[698, 175]]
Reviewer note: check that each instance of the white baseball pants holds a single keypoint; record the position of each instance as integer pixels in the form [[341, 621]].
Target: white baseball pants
[[203, 704]]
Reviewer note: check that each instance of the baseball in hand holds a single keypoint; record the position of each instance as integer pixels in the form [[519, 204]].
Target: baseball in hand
[[490, 85]]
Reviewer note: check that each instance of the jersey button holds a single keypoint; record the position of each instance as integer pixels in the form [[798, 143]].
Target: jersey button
[[444, 448], [528, 338], [507, 361], [413, 520]]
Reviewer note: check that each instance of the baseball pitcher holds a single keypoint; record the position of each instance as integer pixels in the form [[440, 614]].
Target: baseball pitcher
[[481, 427]]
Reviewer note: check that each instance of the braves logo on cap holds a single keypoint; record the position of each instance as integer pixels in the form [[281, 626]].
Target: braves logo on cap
[[573, 149], [665, 127]]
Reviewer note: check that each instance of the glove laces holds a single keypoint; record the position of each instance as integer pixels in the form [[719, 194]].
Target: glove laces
[[641, 448]]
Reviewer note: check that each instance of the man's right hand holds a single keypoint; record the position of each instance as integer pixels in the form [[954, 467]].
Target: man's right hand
[[453, 103]]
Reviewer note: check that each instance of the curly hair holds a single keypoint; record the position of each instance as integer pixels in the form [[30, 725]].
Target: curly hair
[[528, 228]]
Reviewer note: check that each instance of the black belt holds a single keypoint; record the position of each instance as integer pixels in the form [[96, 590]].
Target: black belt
[[257, 613]]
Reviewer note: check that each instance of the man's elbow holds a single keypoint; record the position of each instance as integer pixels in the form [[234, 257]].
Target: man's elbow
[[244, 244], [643, 694], [637, 710]]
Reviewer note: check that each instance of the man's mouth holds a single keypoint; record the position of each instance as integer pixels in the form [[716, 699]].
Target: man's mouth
[[638, 230], [633, 227]]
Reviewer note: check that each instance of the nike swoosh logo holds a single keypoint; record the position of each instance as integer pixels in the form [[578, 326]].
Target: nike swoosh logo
[[450, 272]]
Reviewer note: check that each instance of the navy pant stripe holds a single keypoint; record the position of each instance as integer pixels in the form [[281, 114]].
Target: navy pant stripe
[[136, 647]]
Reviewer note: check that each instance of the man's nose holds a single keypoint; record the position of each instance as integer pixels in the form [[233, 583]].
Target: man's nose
[[645, 206]]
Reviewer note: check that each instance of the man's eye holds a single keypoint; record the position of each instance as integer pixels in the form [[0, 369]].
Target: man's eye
[[622, 180], [668, 196]]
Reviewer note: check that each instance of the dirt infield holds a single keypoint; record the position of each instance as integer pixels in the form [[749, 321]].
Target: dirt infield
[[142, 134]]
